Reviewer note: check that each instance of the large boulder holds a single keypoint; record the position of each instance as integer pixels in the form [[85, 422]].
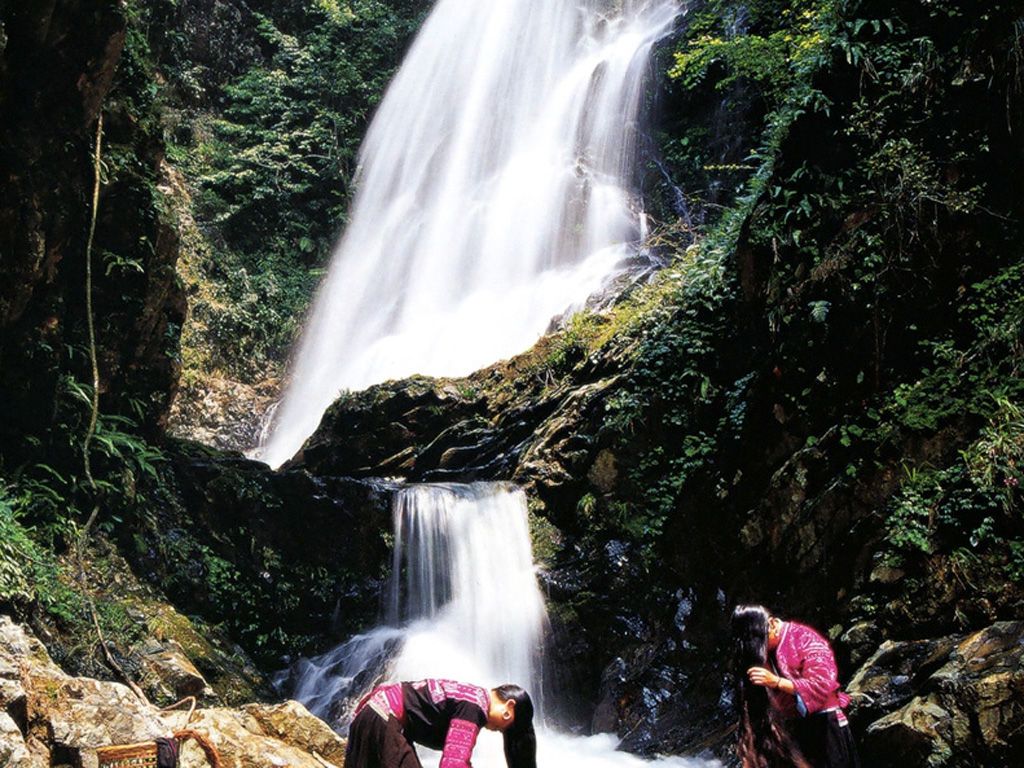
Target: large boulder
[[242, 742], [290, 721], [176, 672], [48, 717], [58, 717]]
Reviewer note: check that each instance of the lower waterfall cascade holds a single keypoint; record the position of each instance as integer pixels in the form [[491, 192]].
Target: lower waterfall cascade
[[464, 603]]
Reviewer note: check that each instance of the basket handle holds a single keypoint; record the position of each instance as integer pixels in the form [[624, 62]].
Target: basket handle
[[204, 742]]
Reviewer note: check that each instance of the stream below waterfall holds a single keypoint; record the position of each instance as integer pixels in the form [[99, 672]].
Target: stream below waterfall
[[463, 602]]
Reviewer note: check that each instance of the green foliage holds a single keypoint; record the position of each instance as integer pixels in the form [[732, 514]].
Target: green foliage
[[273, 165], [848, 208], [886, 325], [745, 73], [971, 374], [676, 374], [34, 579], [16, 552], [674, 334], [977, 361], [995, 462], [54, 497], [581, 336], [970, 506], [782, 44], [207, 577]]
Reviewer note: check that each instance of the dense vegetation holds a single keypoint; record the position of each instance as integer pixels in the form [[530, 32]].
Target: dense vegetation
[[857, 309], [877, 270], [263, 112]]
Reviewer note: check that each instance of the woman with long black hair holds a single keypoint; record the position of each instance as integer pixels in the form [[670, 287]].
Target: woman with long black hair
[[439, 714], [788, 694]]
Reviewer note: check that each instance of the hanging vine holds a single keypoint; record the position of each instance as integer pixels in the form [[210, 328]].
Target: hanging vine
[[90, 323], [83, 536]]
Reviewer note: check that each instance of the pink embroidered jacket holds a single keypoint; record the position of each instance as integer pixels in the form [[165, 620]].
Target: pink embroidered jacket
[[806, 658], [440, 714]]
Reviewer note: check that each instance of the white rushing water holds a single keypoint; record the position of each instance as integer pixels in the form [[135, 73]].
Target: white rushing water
[[494, 193], [464, 603]]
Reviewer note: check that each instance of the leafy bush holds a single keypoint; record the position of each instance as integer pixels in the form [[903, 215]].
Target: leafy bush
[[16, 550], [771, 44]]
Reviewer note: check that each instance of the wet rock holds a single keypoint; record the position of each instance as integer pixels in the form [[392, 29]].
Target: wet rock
[[917, 734], [360, 433], [502, 423], [561, 450], [964, 700], [895, 674], [861, 640]]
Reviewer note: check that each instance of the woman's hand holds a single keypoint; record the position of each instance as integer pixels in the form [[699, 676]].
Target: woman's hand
[[763, 676]]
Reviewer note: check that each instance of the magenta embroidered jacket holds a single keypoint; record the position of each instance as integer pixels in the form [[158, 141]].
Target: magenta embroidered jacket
[[439, 714], [806, 658]]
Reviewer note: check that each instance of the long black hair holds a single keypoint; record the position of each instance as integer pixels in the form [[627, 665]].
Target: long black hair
[[520, 738], [763, 740]]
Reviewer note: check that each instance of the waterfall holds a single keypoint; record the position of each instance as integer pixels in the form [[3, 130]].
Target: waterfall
[[463, 603], [469, 591], [494, 192]]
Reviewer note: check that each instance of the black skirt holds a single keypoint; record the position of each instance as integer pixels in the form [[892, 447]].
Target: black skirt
[[824, 741], [374, 742]]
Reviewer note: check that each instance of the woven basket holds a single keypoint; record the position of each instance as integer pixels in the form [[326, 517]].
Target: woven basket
[[128, 755], [143, 755]]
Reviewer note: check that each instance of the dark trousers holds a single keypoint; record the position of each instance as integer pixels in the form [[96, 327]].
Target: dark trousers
[[824, 742], [374, 742]]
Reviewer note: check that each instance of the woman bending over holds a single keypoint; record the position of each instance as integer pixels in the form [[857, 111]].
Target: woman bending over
[[439, 714]]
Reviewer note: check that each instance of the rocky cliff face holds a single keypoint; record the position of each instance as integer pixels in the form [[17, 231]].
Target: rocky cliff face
[[948, 701], [285, 562], [58, 66]]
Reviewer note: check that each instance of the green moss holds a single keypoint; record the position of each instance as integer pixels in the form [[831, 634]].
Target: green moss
[[545, 540]]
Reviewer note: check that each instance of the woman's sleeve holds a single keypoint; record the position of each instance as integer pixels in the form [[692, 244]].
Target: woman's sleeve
[[459, 743], [818, 676]]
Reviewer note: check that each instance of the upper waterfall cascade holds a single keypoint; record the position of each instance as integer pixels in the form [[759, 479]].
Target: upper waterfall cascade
[[463, 603], [494, 193]]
